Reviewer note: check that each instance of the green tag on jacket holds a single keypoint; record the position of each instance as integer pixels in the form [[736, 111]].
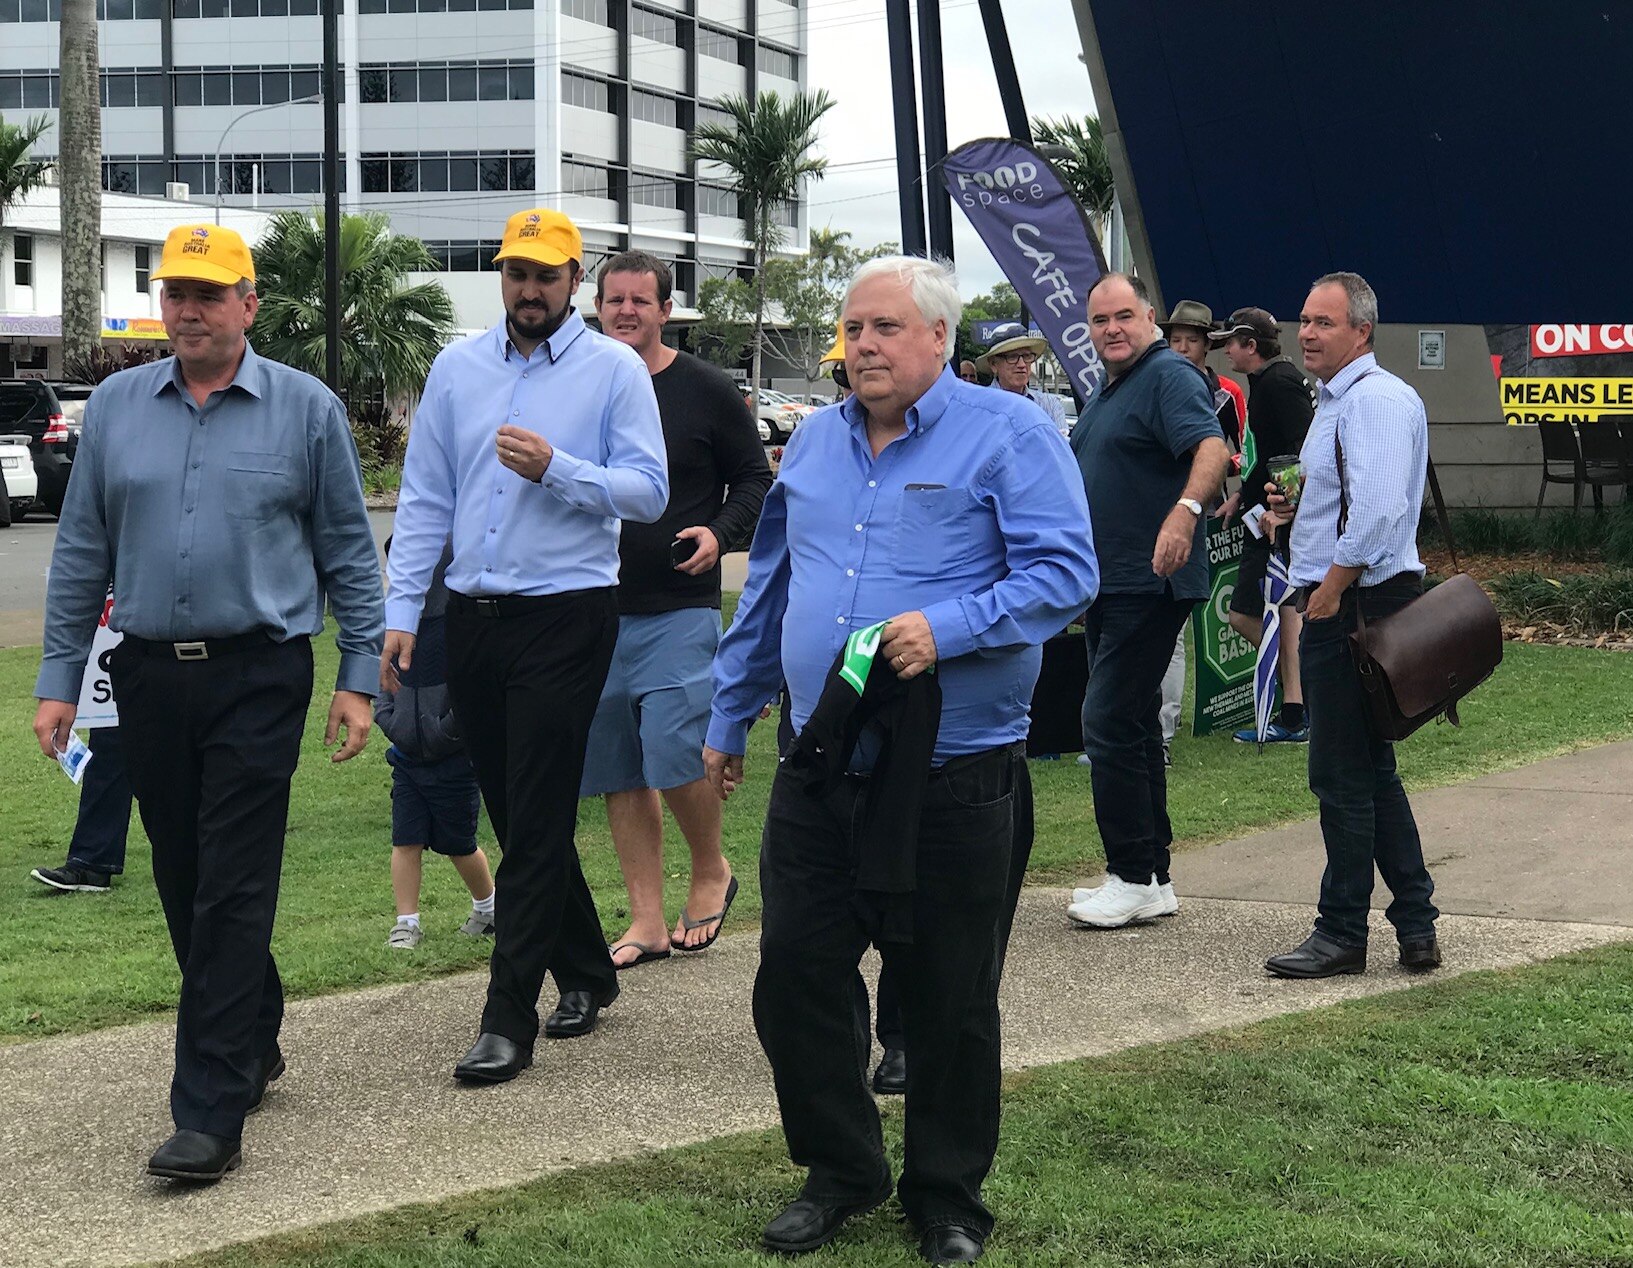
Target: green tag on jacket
[[860, 649]]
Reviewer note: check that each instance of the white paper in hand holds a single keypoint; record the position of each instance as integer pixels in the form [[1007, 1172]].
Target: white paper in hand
[[1250, 521], [75, 758]]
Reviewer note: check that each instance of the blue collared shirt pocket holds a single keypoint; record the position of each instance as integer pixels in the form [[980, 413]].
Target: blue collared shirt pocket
[[934, 532], [260, 486]]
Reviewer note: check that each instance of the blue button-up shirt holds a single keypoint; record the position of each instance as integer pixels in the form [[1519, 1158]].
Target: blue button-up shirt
[[590, 397], [1385, 432], [976, 517], [213, 520]]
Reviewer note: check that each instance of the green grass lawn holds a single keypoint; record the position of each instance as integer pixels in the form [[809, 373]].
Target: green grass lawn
[[83, 961], [1486, 1120]]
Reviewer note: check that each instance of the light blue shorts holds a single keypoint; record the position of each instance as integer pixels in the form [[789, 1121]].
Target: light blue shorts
[[654, 713]]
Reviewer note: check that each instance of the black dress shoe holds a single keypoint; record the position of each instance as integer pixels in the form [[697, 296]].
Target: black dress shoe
[[493, 1059], [271, 1067], [576, 1013], [890, 1079], [1319, 956], [195, 1156], [804, 1225], [951, 1244], [1419, 955]]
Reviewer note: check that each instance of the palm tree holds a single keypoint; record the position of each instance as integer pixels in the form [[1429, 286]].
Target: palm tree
[[1087, 170], [79, 165], [767, 149], [20, 174], [390, 330]]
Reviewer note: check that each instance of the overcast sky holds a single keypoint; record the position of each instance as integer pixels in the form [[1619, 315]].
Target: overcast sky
[[849, 57]]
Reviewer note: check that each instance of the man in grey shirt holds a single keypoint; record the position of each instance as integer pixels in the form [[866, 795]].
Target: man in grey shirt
[[221, 495]]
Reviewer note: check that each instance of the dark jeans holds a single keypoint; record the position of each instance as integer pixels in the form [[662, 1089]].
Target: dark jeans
[[524, 690], [970, 842], [104, 806], [1131, 640], [211, 746], [1365, 817]]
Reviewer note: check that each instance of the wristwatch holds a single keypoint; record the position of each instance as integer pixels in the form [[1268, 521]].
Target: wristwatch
[[1191, 505]]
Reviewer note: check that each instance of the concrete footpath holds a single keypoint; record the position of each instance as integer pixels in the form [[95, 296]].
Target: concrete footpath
[[1530, 864]]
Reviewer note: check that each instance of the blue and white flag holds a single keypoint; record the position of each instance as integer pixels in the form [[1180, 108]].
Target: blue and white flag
[[1040, 238], [1266, 670]]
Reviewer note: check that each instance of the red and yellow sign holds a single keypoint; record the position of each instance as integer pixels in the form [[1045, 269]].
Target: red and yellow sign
[[133, 328]]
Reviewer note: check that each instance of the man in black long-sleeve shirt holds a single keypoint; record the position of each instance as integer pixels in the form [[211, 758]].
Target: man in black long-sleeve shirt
[[649, 727], [1280, 405]]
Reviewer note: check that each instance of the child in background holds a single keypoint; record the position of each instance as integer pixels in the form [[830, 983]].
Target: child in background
[[434, 797]]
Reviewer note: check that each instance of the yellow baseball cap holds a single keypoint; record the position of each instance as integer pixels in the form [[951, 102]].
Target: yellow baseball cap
[[837, 352], [542, 236], [205, 253]]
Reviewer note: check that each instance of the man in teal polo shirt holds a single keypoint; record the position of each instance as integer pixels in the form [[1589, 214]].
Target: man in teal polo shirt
[[1152, 453]]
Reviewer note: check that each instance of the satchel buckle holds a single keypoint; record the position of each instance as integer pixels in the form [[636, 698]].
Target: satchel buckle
[[191, 651]]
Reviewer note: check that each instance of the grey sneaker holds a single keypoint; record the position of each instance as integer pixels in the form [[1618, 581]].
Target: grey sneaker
[[73, 879], [478, 926], [404, 936]]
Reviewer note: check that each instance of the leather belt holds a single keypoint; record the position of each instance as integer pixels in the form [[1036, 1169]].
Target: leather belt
[[501, 606], [199, 649]]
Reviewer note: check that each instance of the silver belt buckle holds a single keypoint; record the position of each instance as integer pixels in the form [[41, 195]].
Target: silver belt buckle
[[487, 607], [191, 651]]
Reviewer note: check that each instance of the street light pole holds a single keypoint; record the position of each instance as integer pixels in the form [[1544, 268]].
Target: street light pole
[[234, 122]]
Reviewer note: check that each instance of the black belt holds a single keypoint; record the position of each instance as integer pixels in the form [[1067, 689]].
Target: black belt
[[199, 649], [501, 606]]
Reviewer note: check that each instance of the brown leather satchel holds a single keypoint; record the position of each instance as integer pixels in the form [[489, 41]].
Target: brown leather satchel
[[1417, 663]]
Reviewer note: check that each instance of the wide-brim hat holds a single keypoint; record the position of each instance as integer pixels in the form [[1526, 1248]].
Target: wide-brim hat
[[1188, 312], [1016, 343]]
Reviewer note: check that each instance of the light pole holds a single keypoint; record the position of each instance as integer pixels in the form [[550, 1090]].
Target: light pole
[[235, 121]]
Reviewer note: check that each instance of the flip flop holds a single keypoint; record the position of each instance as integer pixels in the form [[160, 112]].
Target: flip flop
[[688, 923], [648, 954]]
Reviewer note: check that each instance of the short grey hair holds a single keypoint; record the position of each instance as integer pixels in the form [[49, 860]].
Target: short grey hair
[[1363, 300], [931, 282], [244, 287]]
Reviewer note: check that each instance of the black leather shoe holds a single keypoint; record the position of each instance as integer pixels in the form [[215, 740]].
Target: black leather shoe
[[804, 1225], [890, 1079], [1419, 955], [493, 1059], [951, 1244], [576, 1013], [195, 1156], [1319, 956], [270, 1068]]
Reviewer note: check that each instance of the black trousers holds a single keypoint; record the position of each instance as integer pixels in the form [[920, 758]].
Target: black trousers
[[1131, 640], [524, 689], [211, 746], [974, 838], [104, 806], [1366, 820]]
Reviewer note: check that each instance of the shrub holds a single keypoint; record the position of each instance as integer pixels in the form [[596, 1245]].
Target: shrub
[[1585, 603], [380, 434]]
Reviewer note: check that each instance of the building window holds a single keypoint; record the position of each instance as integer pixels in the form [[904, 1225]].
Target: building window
[[446, 81], [247, 173], [464, 256], [144, 268], [786, 214], [29, 88], [22, 260], [653, 107], [719, 45], [651, 190], [586, 10], [241, 85], [715, 200], [779, 62], [585, 92], [438, 172], [437, 6], [709, 113], [586, 180], [135, 174], [654, 26]]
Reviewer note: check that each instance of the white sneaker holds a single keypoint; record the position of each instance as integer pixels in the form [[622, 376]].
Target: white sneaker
[[405, 936], [1117, 903], [1170, 900]]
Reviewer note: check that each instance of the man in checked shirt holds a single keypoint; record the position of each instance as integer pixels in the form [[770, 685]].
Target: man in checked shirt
[[1369, 561]]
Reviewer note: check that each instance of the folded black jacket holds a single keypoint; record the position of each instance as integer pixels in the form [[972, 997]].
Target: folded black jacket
[[861, 691]]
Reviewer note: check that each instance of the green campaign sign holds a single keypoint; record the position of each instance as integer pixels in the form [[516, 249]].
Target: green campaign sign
[[1224, 659]]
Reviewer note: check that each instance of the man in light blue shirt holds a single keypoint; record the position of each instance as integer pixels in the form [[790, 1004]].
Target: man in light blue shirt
[[1354, 545], [531, 442], [956, 514], [220, 493]]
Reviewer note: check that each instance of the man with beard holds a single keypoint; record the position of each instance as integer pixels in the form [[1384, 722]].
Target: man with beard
[[531, 442]]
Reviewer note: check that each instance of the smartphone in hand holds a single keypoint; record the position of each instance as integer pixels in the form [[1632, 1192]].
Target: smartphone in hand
[[682, 549]]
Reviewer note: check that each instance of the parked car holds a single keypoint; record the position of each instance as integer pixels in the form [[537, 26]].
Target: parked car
[[782, 398], [778, 419], [31, 408], [72, 398], [18, 483]]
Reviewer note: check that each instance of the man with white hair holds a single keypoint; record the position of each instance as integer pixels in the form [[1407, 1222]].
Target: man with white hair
[[925, 526], [1010, 361]]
